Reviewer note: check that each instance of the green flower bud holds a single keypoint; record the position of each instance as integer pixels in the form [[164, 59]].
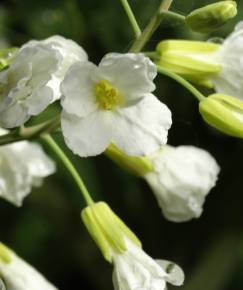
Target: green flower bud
[[5, 254], [193, 60], [211, 17], [107, 229], [136, 165], [224, 113]]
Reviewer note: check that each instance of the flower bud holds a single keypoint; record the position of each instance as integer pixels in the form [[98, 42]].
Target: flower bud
[[193, 60], [136, 165], [211, 17], [107, 229], [225, 113]]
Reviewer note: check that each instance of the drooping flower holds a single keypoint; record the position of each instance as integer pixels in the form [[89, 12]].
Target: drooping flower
[[219, 66], [181, 179], [32, 80], [113, 103], [22, 166], [133, 268], [16, 274]]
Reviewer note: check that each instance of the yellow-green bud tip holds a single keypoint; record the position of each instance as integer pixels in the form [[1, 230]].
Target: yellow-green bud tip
[[107, 229], [224, 113], [5, 254], [211, 17]]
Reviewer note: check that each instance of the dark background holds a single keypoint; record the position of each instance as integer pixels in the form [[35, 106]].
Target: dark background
[[47, 230]]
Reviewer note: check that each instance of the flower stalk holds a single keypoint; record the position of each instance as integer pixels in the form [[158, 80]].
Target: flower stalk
[[131, 17], [153, 24], [199, 96], [68, 164]]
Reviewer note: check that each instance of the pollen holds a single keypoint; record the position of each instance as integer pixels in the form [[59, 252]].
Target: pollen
[[107, 96]]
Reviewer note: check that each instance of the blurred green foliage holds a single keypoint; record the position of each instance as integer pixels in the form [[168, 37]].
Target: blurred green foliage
[[47, 230]]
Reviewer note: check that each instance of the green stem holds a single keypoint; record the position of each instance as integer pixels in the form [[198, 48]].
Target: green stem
[[181, 81], [29, 133], [68, 164], [175, 16], [131, 18], [154, 23]]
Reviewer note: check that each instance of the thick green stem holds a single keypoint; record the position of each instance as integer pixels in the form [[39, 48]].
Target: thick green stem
[[154, 23], [28, 133], [68, 164], [181, 81], [131, 18]]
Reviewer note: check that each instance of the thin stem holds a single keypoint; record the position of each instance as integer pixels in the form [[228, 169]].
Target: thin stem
[[28, 133], [131, 18], [153, 24], [181, 81], [175, 16], [68, 164]]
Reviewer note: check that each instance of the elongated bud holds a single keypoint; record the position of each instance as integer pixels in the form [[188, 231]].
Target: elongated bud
[[193, 60], [224, 113], [136, 165], [211, 17], [107, 229]]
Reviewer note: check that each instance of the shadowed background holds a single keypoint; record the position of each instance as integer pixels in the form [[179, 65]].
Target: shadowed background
[[47, 230]]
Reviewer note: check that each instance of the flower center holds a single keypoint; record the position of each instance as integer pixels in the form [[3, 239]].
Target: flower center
[[107, 96]]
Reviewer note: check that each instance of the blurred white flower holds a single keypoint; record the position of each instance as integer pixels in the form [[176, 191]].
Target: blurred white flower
[[181, 179], [230, 56], [134, 270], [16, 274], [113, 103], [22, 165], [32, 80]]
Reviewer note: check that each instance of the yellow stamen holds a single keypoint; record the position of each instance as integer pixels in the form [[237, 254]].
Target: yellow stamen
[[107, 96]]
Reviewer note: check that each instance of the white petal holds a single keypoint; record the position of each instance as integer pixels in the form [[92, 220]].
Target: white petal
[[24, 81], [14, 116], [175, 273], [134, 269], [182, 178], [39, 100], [132, 74], [141, 129], [23, 165], [78, 90], [230, 56], [87, 136], [18, 275]]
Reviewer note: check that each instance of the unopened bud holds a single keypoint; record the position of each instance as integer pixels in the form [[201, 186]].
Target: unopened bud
[[224, 113], [211, 17], [107, 229]]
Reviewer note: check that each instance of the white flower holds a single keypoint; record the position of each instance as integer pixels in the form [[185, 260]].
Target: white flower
[[16, 274], [32, 80], [113, 103], [181, 179], [135, 270], [22, 165], [230, 56]]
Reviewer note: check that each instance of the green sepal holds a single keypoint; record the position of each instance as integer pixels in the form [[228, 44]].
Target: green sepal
[[211, 17], [135, 165], [5, 254], [107, 229], [224, 113], [192, 60], [6, 56]]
